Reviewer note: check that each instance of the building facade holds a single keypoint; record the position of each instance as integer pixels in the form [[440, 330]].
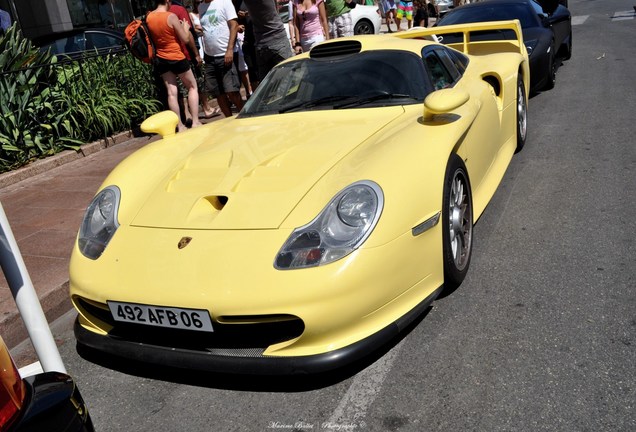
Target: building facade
[[41, 17]]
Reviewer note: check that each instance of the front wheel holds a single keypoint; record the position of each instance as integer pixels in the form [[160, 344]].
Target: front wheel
[[457, 218], [522, 114]]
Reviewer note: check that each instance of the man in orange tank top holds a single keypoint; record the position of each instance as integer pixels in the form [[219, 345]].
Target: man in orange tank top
[[167, 31]]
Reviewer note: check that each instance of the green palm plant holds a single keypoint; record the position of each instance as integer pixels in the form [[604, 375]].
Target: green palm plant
[[48, 104], [24, 78]]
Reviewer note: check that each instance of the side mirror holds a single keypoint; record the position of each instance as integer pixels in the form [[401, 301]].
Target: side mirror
[[444, 101], [545, 20], [163, 123]]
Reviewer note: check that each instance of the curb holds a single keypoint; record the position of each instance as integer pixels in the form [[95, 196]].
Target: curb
[[42, 165], [56, 302]]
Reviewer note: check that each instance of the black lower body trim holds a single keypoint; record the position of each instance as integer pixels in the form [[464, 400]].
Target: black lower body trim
[[245, 365]]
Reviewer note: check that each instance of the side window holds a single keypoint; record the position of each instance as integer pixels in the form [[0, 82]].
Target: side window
[[459, 60], [439, 74], [72, 44], [101, 40], [445, 56], [538, 9]]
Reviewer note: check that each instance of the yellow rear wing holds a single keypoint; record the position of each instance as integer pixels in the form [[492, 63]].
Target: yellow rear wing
[[483, 46]]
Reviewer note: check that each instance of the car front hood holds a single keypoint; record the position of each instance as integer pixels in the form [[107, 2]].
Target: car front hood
[[250, 173]]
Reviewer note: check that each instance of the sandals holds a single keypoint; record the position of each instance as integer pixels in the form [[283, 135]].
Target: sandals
[[215, 112]]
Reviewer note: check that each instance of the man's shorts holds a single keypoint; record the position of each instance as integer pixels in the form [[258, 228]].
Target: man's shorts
[[219, 78], [340, 26], [405, 9]]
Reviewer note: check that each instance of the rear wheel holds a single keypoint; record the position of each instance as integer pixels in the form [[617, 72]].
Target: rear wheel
[[522, 114], [457, 219], [363, 27]]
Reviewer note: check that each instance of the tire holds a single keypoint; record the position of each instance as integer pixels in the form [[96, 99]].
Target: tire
[[551, 71], [568, 53], [522, 115], [363, 26], [457, 222]]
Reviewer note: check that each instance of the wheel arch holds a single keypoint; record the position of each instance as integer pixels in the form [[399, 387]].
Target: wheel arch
[[363, 21]]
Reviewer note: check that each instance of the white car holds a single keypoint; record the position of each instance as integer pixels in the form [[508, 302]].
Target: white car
[[366, 19]]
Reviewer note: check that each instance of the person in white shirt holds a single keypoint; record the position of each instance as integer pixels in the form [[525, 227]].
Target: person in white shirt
[[219, 22]]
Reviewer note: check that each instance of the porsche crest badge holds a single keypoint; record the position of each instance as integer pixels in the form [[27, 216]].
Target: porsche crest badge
[[184, 242]]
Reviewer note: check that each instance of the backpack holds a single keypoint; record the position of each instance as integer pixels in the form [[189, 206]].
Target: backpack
[[138, 40]]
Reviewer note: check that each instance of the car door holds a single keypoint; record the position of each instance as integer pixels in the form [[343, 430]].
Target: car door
[[559, 21], [483, 139]]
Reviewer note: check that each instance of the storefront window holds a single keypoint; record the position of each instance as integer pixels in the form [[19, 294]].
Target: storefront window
[[100, 13]]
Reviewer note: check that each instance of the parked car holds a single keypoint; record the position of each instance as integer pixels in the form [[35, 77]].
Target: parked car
[[82, 42], [443, 6], [547, 36], [49, 401], [304, 233], [366, 19]]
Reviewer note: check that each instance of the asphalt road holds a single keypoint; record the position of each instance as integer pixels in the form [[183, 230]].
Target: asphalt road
[[540, 336]]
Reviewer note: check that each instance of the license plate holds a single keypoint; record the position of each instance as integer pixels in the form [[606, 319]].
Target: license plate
[[161, 316]]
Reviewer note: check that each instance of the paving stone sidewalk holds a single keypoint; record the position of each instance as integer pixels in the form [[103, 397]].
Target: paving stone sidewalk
[[44, 203]]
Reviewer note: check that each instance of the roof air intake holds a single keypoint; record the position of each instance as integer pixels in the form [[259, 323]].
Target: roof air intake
[[335, 49]]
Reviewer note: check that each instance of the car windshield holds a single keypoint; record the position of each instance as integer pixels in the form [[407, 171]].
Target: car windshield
[[368, 79], [496, 12]]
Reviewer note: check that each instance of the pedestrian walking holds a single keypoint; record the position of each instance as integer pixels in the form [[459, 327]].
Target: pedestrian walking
[[220, 27], [167, 31], [339, 18], [404, 10], [271, 42], [248, 46], [310, 24], [191, 51], [285, 10], [388, 7], [240, 63], [204, 99]]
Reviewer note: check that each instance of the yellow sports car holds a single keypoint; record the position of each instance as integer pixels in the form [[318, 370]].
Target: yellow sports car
[[308, 230]]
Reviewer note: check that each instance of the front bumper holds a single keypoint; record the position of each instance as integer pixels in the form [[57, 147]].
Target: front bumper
[[246, 361]]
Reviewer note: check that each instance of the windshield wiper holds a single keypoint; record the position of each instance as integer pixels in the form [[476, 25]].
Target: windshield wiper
[[313, 103], [376, 97]]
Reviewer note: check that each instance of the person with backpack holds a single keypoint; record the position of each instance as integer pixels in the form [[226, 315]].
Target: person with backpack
[[167, 31]]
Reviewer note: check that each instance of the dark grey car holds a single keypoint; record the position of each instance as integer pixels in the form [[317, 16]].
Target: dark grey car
[[82, 42], [547, 32]]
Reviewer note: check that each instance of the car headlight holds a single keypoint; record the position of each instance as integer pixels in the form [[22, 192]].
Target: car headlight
[[340, 228], [531, 45], [100, 223]]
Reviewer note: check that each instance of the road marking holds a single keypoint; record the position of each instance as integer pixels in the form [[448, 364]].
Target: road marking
[[364, 389], [578, 20], [623, 15], [32, 369]]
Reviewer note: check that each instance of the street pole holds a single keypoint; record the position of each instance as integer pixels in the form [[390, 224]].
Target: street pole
[[27, 300]]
